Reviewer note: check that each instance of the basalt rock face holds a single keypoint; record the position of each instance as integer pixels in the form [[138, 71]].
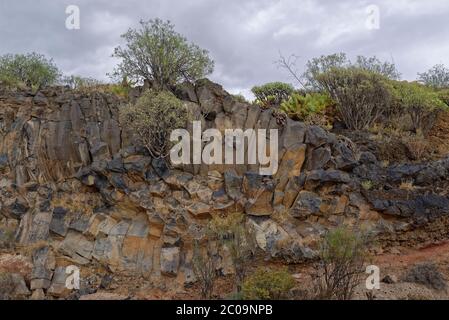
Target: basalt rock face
[[72, 178]]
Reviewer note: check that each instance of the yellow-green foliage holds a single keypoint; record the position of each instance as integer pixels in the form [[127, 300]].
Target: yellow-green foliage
[[156, 52], [342, 244], [300, 107], [342, 255], [266, 284], [422, 103], [152, 118], [30, 69], [362, 97], [239, 98], [367, 184], [272, 94], [119, 90]]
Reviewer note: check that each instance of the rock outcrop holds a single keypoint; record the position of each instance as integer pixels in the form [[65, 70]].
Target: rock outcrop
[[73, 178]]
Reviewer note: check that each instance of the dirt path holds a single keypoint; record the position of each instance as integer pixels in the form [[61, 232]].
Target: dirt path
[[407, 257]]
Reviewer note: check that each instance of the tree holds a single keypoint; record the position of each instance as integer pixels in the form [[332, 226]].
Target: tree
[[320, 65], [30, 69], [78, 82], [361, 96], [157, 53], [420, 102], [373, 64], [272, 93], [268, 284], [152, 118], [437, 77]]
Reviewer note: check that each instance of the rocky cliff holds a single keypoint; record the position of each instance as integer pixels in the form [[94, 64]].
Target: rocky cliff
[[75, 185]]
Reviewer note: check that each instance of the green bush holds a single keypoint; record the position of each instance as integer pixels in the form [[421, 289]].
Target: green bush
[[437, 77], [361, 96], [420, 102], [32, 69], [152, 118], [266, 284], [272, 94], [301, 107], [342, 255], [157, 53], [323, 64], [320, 65]]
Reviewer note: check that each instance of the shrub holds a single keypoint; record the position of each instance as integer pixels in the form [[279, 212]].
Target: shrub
[[240, 98], [417, 146], [324, 64], [303, 107], [367, 185], [421, 103], [437, 77], [32, 69], [361, 96], [426, 274], [342, 255], [204, 268], [373, 64], [157, 53], [443, 94], [266, 284], [152, 118], [272, 94], [232, 233]]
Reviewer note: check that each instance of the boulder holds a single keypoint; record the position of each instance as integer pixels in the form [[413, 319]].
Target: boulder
[[170, 258], [307, 203], [259, 192]]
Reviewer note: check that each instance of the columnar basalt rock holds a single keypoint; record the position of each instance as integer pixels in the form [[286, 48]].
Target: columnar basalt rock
[[73, 178]]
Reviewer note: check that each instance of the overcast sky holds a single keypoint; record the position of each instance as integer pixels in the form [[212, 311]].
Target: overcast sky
[[244, 37]]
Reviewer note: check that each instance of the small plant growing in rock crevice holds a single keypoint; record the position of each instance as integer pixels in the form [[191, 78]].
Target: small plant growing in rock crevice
[[152, 118], [266, 284], [233, 233], [367, 185]]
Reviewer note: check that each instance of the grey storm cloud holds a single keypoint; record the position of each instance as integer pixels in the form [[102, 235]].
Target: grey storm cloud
[[243, 37]]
